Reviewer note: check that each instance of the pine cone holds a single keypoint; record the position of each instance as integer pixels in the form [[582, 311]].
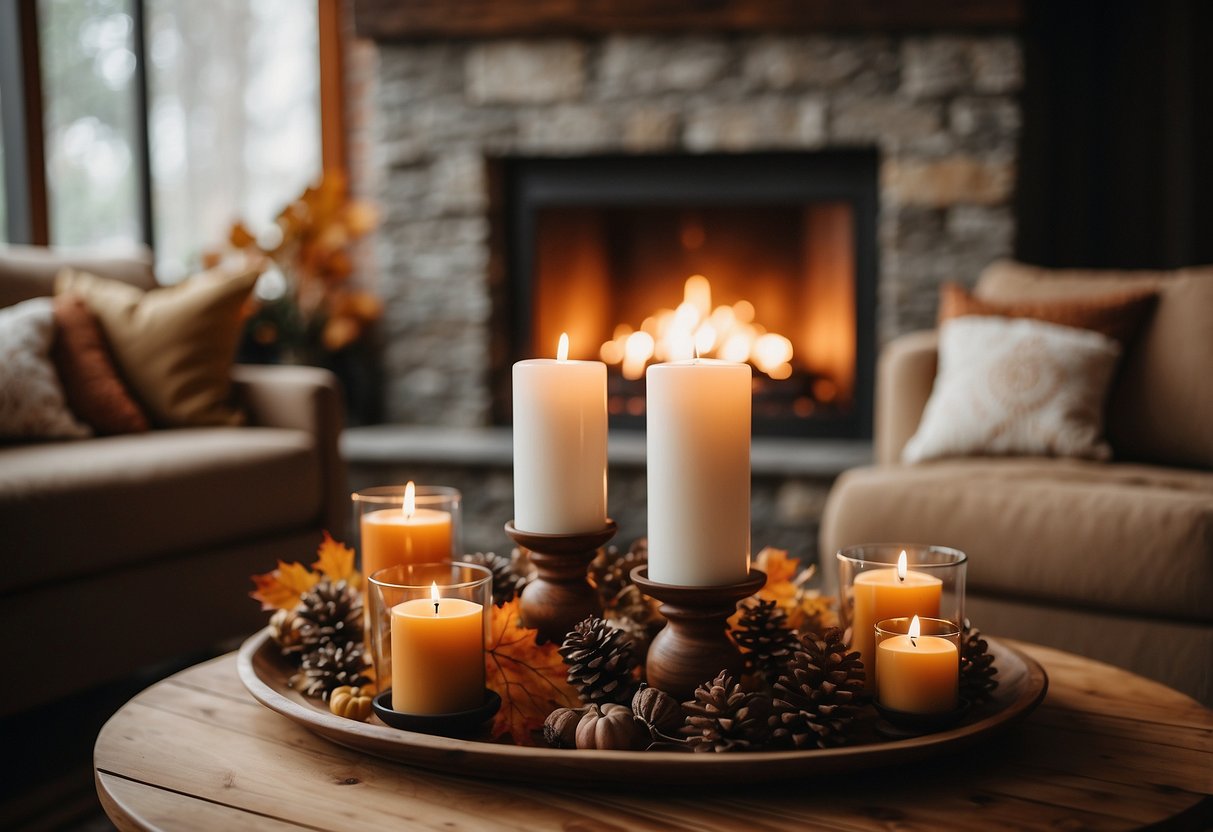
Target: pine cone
[[764, 635], [723, 717], [600, 661], [977, 668], [330, 666], [815, 700], [285, 628], [508, 582], [330, 612], [611, 571]]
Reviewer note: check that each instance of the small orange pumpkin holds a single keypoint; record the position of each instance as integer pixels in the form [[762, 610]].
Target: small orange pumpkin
[[350, 702]]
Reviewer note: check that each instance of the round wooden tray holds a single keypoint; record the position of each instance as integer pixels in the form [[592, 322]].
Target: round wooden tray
[[1022, 685]]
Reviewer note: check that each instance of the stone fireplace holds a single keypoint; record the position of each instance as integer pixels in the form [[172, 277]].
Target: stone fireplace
[[936, 113]]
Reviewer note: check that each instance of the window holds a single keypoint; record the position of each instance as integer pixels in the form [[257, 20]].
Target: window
[[88, 67], [167, 116], [3, 191], [234, 121]]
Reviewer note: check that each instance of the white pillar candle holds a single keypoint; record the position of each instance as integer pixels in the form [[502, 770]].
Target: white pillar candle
[[699, 472], [560, 445]]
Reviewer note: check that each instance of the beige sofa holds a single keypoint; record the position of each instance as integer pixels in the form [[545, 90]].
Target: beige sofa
[[128, 550], [1109, 560]]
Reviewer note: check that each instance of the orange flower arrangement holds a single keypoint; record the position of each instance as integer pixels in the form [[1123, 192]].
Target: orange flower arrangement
[[320, 311]]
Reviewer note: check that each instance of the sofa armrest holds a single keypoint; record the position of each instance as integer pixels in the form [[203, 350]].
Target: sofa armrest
[[905, 375], [306, 399]]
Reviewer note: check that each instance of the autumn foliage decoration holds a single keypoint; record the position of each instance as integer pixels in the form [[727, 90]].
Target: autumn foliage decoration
[[281, 588], [320, 311]]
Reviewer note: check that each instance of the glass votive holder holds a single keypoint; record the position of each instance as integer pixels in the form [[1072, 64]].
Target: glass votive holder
[[392, 529], [873, 587], [917, 666], [428, 627]]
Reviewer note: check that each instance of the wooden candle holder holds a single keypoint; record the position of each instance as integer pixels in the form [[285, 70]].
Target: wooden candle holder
[[694, 645], [560, 595]]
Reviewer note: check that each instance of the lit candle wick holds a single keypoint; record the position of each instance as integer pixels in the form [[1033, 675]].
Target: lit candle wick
[[915, 631], [410, 500], [434, 595], [901, 566], [562, 348]]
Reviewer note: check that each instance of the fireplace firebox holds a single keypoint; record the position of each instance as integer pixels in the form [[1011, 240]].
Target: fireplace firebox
[[768, 258]]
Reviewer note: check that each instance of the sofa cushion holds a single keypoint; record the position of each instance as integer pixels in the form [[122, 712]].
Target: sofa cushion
[[1117, 316], [1016, 386], [90, 380], [1161, 405], [72, 509], [29, 271], [32, 403], [175, 345], [1120, 538]]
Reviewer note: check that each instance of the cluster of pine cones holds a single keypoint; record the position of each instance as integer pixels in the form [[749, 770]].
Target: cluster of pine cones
[[808, 696], [323, 634], [812, 702]]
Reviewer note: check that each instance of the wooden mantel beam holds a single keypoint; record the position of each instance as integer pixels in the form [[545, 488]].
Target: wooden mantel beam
[[433, 19]]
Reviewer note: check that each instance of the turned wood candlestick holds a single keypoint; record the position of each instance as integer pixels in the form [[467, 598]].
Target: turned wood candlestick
[[560, 595], [694, 645]]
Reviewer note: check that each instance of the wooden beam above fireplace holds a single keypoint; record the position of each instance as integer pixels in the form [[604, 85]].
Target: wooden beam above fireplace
[[427, 19]]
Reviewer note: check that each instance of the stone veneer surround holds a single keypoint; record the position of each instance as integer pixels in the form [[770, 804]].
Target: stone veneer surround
[[941, 109]]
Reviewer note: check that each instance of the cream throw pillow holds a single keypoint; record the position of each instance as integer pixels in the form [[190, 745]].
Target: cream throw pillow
[[32, 404], [1016, 386], [174, 346]]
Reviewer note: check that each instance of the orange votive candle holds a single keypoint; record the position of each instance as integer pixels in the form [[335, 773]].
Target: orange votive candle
[[889, 593], [399, 536], [437, 656]]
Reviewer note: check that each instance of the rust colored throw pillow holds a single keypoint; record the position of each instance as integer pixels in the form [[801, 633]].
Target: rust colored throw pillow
[[1118, 315], [95, 393], [174, 346]]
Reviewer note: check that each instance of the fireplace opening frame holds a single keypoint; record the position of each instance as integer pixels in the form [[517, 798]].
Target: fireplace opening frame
[[524, 186]]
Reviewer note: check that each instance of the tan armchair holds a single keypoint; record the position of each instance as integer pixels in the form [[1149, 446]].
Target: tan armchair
[[1110, 560]]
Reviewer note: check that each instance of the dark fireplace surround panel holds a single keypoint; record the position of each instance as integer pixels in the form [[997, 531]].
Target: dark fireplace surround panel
[[457, 115], [740, 191]]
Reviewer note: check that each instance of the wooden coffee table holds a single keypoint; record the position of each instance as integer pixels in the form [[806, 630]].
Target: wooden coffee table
[[1105, 750]]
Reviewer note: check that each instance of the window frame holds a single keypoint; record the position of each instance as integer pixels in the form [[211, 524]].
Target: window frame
[[21, 115]]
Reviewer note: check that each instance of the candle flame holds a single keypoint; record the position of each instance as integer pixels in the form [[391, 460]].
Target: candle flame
[[901, 566], [410, 499], [915, 630], [434, 596], [562, 350]]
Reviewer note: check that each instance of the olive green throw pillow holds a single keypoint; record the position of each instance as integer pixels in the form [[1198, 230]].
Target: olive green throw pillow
[[174, 346]]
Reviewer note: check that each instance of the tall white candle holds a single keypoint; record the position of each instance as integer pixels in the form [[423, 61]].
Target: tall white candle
[[699, 472], [560, 445]]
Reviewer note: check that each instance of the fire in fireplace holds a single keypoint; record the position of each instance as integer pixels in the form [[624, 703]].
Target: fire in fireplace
[[763, 258]]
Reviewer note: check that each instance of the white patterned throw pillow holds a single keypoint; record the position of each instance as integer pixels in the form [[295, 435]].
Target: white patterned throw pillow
[[1016, 386], [32, 404]]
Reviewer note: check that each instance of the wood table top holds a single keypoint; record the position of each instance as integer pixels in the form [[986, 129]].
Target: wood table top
[[1105, 750]]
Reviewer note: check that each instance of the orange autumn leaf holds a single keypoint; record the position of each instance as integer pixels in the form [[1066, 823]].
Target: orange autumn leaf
[[335, 561], [530, 678], [281, 588], [779, 567], [781, 584]]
